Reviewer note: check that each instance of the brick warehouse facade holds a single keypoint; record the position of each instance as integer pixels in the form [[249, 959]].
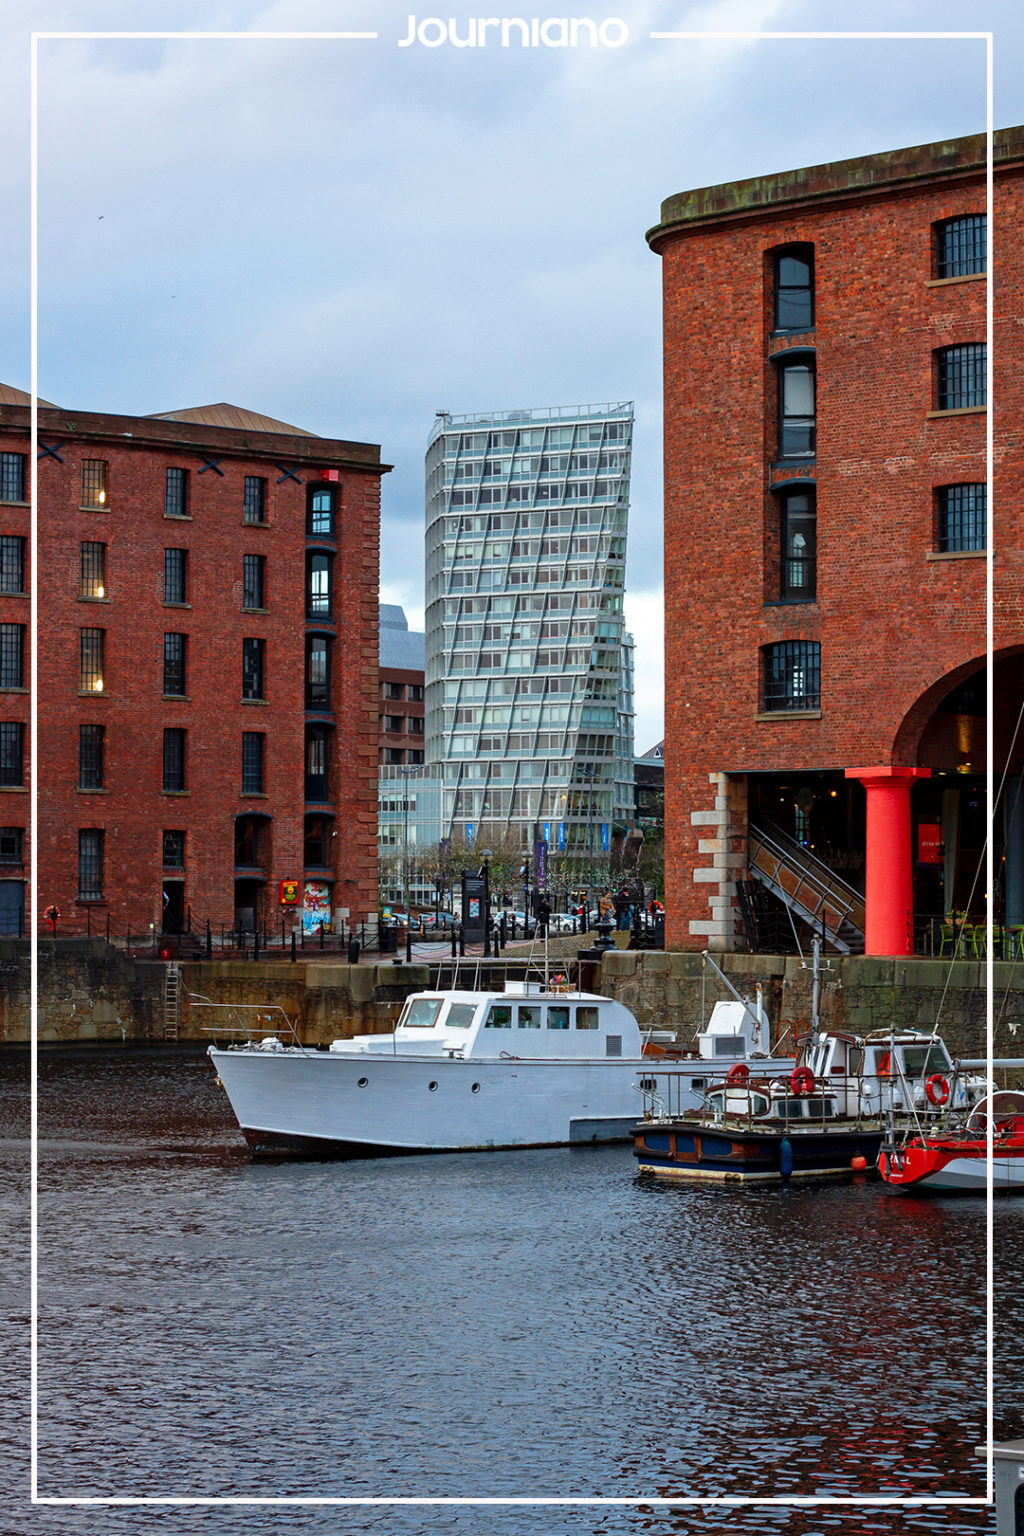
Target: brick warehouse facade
[[825, 529], [207, 701]]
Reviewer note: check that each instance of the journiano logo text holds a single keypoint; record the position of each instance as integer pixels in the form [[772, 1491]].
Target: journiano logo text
[[509, 31]]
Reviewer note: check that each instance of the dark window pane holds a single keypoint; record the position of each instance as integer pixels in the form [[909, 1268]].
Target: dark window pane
[[12, 845], [94, 570], [176, 493], [12, 655], [316, 765], [961, 246], [175, 648], [962, 380], [794, 292], [174, 760], [252, 669], [12, 753], [94, 483], [321, 511], [253, 581], [90, 865], [12, 564], [796, 411], [318, 601], [175, 575], [314, 848], [12, 477], [799, 547], [174, 850], [247, 842], [90, 660], [792, 675], [252, 762], [963, 517], [254, 504], [90, 757], [317, 672]]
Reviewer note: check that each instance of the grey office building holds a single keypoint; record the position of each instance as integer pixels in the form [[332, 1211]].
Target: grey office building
[[528, 678]]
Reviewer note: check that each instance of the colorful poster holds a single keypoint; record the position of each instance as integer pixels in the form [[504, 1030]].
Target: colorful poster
[[316, 906]]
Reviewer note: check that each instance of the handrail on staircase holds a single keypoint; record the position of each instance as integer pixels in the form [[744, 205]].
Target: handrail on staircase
[[826, 887]]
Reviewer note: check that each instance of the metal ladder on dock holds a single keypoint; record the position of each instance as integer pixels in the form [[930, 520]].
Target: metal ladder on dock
[[172, 1002]]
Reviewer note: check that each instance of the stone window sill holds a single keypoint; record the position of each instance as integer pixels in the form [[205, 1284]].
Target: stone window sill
[[956, 554], [946, 282], [789, 714], [958, 410]]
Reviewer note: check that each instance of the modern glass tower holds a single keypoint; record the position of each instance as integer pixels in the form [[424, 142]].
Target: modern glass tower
[[526, 667]]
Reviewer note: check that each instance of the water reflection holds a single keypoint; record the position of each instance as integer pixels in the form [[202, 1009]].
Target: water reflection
[[514, 1324]]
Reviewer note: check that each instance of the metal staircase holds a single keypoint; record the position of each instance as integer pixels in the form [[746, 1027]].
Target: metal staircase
[[808, 887], [172, 1002]]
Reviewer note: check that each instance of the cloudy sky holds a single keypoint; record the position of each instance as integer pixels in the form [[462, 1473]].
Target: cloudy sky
[[351, 235]]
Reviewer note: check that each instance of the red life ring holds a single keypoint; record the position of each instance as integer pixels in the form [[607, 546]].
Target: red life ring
[[801, 1080], [937, 1089], [737, 1073]]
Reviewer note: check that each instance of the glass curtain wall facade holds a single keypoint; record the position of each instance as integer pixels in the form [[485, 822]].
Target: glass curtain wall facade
[[526, 682]]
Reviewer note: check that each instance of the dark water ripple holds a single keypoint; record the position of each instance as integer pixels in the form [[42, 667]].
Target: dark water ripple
[[507, 1325]]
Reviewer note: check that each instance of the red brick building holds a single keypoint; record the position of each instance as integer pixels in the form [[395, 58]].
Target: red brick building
[[400, 707], [207, 702], [826, 525]]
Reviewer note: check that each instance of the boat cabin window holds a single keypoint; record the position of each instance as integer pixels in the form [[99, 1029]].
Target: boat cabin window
[[460, 1015], [923, 1060], [529, 1016], [499, 1016], [586, 1018], [729, 1045], [558, 1018], [855, 1060], [809, 1109], [421, 1012]]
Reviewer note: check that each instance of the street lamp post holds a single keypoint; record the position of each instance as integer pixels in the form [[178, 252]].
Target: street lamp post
[[407, 774], [486, 872]]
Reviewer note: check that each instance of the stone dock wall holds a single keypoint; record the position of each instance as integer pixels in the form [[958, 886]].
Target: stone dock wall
[[89, 992]]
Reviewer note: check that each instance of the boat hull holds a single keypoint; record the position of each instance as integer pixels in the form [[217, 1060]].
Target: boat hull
[[940, 1167], [328, 1104], [686, 1150]]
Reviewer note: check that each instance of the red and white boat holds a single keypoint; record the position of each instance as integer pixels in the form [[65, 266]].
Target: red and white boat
[[954, 1158]]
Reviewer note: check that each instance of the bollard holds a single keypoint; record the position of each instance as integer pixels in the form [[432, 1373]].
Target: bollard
[[353, 949], [454, 950], [462, 941], [408, 944]]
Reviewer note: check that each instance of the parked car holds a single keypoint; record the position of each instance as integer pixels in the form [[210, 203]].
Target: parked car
[[563, 922], [438, 919]]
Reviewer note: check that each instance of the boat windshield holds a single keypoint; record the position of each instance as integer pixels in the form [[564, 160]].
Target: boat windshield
[[460, 1015], [923, 1060], [421, 1012]]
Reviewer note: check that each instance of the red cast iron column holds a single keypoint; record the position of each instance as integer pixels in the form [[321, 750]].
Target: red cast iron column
[[888, 866]]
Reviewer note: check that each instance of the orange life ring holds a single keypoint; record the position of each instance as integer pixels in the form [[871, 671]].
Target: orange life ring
[[801, 1080], [937, 1089], [737, 1073], [883, 1065]]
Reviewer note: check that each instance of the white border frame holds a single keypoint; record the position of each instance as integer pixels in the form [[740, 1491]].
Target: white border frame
[[649, 1501]]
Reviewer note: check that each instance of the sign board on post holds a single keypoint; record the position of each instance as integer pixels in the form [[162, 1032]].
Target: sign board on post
[[542, 862], [474, 907]]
